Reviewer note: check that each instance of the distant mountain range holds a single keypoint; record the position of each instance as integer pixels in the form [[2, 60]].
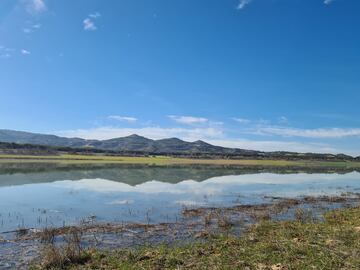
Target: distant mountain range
[[130, 143], [139, 144]]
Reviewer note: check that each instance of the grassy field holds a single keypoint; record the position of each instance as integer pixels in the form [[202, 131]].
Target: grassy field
[[98, 159], [300, 244]]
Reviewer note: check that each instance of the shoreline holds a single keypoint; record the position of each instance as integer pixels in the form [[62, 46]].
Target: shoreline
[[198, 226], [168, 161], [303, 243]]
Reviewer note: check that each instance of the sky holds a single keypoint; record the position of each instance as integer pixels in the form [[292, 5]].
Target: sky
[[255, 74]]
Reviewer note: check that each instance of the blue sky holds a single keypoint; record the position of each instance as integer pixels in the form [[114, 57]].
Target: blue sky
[[256, 74]]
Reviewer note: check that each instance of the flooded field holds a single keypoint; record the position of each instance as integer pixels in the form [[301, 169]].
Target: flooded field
[[35, 197], [45, 196]]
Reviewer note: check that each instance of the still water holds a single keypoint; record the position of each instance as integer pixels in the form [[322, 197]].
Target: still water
[[38, 196]]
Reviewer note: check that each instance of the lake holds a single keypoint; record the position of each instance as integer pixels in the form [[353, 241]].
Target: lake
[[38, 196]]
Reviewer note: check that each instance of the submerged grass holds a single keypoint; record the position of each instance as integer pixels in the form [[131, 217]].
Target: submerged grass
[[162, 160], [299, 244]]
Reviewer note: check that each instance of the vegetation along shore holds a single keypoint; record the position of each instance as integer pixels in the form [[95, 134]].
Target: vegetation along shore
[[332, 242], [165, 161]]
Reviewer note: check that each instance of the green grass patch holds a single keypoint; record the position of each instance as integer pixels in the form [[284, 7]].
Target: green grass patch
[[332, 244]]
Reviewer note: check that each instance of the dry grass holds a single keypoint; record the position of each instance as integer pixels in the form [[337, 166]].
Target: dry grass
[[296, 245], [48, 235], [59, 257]]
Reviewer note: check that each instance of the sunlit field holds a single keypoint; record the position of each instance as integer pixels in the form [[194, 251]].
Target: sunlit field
[[162, 160]]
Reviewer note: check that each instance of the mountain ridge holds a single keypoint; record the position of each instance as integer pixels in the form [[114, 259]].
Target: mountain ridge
[[137, 143], [132, 142]]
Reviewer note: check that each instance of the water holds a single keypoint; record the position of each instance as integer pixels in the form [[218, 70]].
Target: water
[[38, 196]]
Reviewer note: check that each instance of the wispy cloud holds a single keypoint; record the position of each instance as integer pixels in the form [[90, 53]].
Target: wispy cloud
[[31, 28], [95, 15], [190, 134], [5, 55], [188, 120], [35, 6], [25, 52], [265, 128], [39, 5], [89, 25], [27, 30], [283, 120], [260, 121], [276, 145], [5, 52], [243, 3], [241, 120], [214, 136], [123, 118], [321, 133], [89, 22], [269, 137]]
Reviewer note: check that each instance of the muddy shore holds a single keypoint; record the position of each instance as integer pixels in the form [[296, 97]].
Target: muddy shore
[[21, 248]]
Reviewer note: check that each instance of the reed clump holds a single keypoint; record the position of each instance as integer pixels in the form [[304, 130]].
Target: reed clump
[[60, 256]]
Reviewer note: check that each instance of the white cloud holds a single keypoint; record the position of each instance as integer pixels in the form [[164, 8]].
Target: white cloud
[[262, 145], [243, 4], [283, 120], [255, 122], [89, 25], [309, 133], [211, 135], [188, 120], [25, 52], [123, 118], [31, 28], [263, 122], [5, 52], [103, 133], [95, 15], [241, 120], [39, 5], [36, 6], [27, 30], [5, 49], [5, 55], [89, 22]]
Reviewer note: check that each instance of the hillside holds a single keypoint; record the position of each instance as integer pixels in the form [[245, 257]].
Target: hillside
[[25, 142], [132, 143]]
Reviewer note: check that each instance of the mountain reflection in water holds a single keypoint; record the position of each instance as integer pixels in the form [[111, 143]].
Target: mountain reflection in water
[[37, 196]]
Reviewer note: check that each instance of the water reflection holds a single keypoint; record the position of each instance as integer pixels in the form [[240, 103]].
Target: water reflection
[[26, 173], [55, 196]]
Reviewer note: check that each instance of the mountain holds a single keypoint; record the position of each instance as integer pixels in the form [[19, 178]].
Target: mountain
[[126, 144], [139, 144], [20, 137]]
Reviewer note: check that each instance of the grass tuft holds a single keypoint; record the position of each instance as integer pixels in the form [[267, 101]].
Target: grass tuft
[[63, 256], [300, 244]]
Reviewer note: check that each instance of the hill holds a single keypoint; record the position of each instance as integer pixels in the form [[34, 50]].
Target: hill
[[132, 143], [26, 142]]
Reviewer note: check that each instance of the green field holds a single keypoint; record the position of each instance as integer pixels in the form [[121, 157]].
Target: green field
[[160, 160]]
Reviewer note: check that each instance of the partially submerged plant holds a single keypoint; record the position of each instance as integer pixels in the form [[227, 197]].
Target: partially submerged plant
[[71, 252]]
